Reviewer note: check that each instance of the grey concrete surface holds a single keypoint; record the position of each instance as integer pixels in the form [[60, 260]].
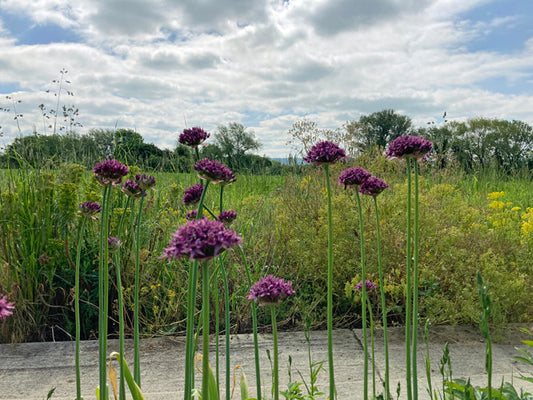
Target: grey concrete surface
[[29, 370]]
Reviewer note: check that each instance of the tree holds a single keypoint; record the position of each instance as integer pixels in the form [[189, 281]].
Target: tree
[[379, 128], [234, 141]]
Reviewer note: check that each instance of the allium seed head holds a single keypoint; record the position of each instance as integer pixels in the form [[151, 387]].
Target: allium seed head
[[369, 285], [353, 176], [192, 194], [373, 186], [325, 153], [270, 290], [193, 137], [113, 243], [200, 240], [214, 171], [131, 189], [145, 181], [191, 215], [409, 146], [110, 171], [90, 208], [227, 217]]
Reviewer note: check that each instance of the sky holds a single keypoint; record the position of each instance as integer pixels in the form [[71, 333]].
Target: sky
[[160, 66]]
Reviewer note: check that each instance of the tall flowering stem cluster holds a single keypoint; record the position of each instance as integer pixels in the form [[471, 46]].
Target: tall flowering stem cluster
[[411, 148], [271, 291], [326, 153], [364, 183]]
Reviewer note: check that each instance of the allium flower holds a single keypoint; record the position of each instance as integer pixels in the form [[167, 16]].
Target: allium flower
[[191, 215], [6, 308], [227, 217], [90, 208], [409, 146], [373, 186], [131, 189], [145, 181], [325, 153], [369, 285], [192, 194], [193, 137], [353, 176], [113, 243], [270, 290], [200, 240], [214, 171], [110, 171]]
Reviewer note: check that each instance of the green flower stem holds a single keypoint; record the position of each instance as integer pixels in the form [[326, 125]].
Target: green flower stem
[[214, 281], [415, 286], [136, 305], [332, 391], [77, 307], [254, 326], [371, 317], [275, 372], [103, 288], [191, 305], [408, 284], [227, 330], [364, 296], [383, 301], [205, 331], [221, 199], [121, 334]]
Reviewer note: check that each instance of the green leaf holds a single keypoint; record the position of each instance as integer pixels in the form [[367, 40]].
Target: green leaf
[[134, 388], [244, 387]]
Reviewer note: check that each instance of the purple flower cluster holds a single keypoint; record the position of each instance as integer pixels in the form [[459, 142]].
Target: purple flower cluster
[[6, 308], [110, 171], [90, 208], [409, 146], [227, 217], [369, 285], [353, 176], [214, 171], [193, 137], [113, 243], [200, 240], [373, 186], [131, 189], [191, 215], [192, 194], [325, 153], [144, 181], [270, 290]]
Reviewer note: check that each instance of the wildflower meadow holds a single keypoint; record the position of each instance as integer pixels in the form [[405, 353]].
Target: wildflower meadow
[[381, 239]]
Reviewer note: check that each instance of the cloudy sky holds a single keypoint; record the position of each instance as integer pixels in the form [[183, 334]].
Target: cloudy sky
[[159, 66]]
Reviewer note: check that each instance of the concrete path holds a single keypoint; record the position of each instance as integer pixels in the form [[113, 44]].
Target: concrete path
[[28, 371]]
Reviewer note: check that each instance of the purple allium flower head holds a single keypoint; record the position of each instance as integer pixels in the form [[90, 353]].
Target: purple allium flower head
[[110, 171], [373, 186], [145, 181], [353, 176], [369, 285], [270, 290], [409, 146], [227, 217], [192, 194], [131, 189], [191, 215], [200, 240], [214, 171], [113, 243], [325, 153], [90, 208], [6, 308], [193, 137]]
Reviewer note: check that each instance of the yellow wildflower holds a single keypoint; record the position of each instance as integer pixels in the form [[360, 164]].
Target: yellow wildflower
[[515, 209], [497, 204], [495, 195]]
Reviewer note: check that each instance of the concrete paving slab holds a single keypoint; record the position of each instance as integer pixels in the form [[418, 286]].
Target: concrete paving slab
[[29, 370]]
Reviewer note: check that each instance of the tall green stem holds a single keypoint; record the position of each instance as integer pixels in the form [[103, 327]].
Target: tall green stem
[[275, 377], [383, 301], [254, 327], [136, 333], [415, 287], [364, 296], [408, 284], [227, 330], [371, 317], [103, 291], [205, 331], [77, 307], [332, 391]]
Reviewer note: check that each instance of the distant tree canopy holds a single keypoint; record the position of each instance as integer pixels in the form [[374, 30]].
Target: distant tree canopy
[[233, 142]]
